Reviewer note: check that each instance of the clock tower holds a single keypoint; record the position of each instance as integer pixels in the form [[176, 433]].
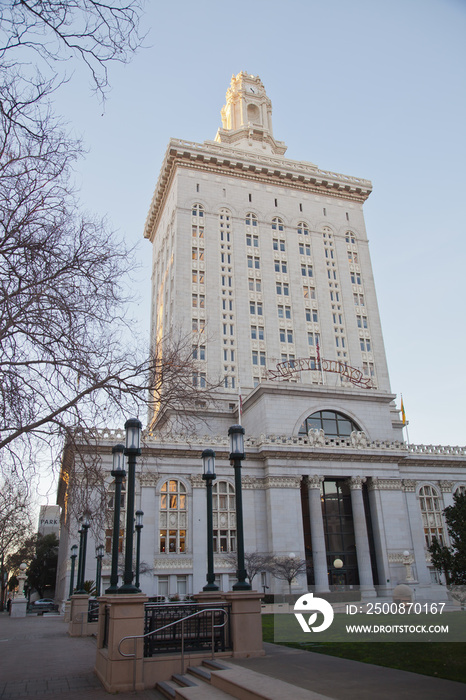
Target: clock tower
[[247, 117]]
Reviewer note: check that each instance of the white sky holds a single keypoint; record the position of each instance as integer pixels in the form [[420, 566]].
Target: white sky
[[366, 88]]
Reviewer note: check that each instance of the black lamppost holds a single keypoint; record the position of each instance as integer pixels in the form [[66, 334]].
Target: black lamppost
[[139, 526], [85, 524], [99, 555], [118, 473], [208, 463], [74, 549], [133, 428], [236, 434]]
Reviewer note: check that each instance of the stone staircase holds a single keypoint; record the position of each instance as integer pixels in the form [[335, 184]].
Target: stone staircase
[[220, 681]]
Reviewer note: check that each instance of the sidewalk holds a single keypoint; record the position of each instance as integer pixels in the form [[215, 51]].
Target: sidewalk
[[38, 659]]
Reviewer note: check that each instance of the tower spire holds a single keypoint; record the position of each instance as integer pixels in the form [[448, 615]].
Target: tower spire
[[247, 117]]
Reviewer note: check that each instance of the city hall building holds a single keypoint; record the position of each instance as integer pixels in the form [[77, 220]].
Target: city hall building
[[265, 262]]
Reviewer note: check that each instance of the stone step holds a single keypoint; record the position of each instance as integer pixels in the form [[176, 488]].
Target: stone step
[[216, 680]]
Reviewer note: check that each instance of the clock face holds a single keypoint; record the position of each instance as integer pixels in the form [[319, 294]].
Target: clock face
[[251, 89]]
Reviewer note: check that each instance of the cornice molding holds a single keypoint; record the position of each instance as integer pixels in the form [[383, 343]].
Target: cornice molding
[[223, 160], [376, 484]]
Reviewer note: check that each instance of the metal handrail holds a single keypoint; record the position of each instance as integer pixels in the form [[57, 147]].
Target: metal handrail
[[171, 624]]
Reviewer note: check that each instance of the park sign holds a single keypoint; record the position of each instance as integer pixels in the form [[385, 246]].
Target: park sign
[[49, 520]]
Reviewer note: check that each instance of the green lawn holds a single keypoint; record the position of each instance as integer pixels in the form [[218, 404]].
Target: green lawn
[[442, 660]]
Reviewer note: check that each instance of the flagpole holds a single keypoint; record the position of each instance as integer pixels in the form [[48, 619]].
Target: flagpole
[[403, 417]]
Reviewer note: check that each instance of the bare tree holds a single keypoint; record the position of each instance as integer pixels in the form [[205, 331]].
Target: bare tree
[[254, 563], [67, 32], [287, 568], [15, 524], [70, 358]]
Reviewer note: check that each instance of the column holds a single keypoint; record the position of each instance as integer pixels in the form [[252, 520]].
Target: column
[[366, 583], [319, 554]]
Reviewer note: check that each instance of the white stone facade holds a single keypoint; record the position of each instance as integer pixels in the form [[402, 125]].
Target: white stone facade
[[265, 260]]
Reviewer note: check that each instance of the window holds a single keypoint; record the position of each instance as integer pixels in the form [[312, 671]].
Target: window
[[258, 358], [198, 210], [306, 271], [162, 587], [352, 257], [199, 380], [431, 511], [280, 266], [277, 224], [349, 238], [254, 285], [368, 369], [311, 315], [252, 241], [253, 262], [255, 308], [365, 344], [309, 292], [313, 339], [303, 229], [173, 506], [251, 220], [198, 352], [282, 335], [182, 585], [333, 423], [355, 278], [362, 321], [224, 517]]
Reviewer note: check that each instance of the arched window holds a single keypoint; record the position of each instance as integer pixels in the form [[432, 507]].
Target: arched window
[[431, 511], [334, 424], [350, 238], [224, 516], [198, 210], [277, 224], [173, 512], [303, 228], [251, 219], [460, 490]]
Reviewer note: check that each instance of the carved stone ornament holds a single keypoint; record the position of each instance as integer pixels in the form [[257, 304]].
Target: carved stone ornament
[[359, 439], [400, 558], [356, 482], [197, 482], [385, 484], [172, 563], [252, 482], [446, 486], [283, 482], [409, 485], [314, 481], [316, 437], [148, 480]]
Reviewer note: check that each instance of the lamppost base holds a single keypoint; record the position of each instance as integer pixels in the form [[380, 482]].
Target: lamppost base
[[241, 586], [210, 587], [111, 590], [128, 588]]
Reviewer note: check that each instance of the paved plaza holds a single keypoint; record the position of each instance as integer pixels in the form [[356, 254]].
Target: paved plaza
[[38, 659]]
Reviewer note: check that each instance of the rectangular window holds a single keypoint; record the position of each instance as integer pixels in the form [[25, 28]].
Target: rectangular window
[[278, 287], [255, 357], [162, 584], [262, 359], [277, 265], [289, 336], [194, 277], [281, 312], [287, 311], [182, 585], [282, 335], [259, 308], [260, 331]]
